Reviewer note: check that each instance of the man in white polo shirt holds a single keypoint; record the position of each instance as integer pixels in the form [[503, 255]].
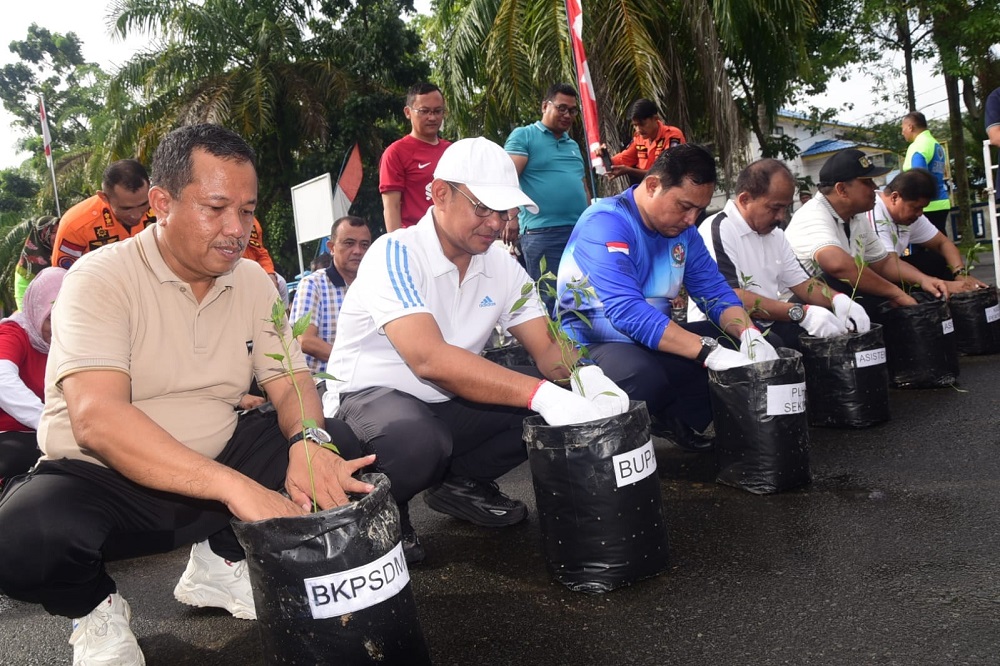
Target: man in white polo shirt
[[424, 304], [899, 221], [758, 263], [832, 229]]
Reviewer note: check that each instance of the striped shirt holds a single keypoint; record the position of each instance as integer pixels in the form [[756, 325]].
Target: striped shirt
[[320, 294]]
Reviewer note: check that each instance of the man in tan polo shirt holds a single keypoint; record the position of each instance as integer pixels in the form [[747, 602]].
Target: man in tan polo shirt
[[155, 341]]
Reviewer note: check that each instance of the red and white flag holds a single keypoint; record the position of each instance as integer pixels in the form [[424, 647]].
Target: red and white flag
[[588, 100], [348, 184], [46, 137]]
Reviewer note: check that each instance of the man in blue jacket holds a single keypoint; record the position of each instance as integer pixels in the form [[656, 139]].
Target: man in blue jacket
[[636, 250]]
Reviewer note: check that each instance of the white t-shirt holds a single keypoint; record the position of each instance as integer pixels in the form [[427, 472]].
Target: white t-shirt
[[816, 225], [896, 237], [765, 260], [404, 273]]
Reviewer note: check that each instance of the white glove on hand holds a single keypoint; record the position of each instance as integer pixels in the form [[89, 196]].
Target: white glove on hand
[[850, 312], [821, 323], [725, 359], [606, 396], [561, 407], [756, 348]]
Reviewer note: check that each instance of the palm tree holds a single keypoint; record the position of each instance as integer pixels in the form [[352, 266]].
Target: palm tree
[[246, 64], [498, 56]]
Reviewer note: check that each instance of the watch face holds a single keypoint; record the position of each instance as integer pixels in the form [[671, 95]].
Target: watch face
[[796, 313], [712, 343], [318, 435]]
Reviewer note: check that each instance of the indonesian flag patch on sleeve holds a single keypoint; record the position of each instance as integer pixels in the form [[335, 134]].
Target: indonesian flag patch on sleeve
[[617, 246]]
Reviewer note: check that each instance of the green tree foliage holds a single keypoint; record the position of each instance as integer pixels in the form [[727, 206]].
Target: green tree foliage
[[52, 64], [302, 81]]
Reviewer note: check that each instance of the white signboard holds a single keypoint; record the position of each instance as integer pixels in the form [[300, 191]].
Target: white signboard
[[863, 359], [313, 208]]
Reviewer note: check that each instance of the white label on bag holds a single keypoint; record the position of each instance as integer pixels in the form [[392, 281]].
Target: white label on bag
[[948, 326], [635, 465], [992, 313], [786, 399], [349, 591], [863, 359]]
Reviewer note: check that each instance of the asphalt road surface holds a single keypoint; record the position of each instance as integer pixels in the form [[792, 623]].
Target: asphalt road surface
[[888, 557]]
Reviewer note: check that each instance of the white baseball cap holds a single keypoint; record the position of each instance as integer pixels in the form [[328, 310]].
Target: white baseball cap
[[487, 170]]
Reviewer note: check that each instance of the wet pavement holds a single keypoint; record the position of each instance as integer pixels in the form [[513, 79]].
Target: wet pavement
[[889, 557]]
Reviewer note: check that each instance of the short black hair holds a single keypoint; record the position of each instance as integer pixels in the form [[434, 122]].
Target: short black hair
[[642, 109], [350, 220], [914, 185], [422, 88], [172, 159], [918, 119], [321, 261], [130, 174], [560, 89], [756, 178], [686, 160]]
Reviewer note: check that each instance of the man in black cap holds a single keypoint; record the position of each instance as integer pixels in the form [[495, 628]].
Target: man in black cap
[[832, 229]]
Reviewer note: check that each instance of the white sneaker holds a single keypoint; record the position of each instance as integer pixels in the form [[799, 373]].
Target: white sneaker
[[213, 581], [104, 637]]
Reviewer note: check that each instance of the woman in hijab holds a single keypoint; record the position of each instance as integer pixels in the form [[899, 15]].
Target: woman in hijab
[[24, 348]]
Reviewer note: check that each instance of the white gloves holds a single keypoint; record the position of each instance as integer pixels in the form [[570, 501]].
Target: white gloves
[[561, 407], [607, 398], [821, 323], [725, 359], [755, 347], [850, 312]]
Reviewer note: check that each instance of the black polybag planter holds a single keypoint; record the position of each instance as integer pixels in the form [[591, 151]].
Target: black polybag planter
[[348, 555], [977, 321], [509, 356], [920, 344], [598, 496], [761, 425], [847, 379]]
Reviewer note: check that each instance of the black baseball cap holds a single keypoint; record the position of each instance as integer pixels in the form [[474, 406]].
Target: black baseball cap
[[848, 165]]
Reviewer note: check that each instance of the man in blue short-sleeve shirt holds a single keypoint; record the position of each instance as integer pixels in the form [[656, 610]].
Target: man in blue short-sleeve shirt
[[551, 170], [636, 250]]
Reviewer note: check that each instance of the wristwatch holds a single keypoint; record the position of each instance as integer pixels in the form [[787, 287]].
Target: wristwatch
[[317, 435], [708, 345], [796, 313]]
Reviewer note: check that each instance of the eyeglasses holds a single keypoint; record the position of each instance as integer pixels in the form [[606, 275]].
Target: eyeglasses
[[482, 210], [565, 110], [423, 112]]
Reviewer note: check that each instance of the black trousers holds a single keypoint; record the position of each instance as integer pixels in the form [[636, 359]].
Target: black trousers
[[62, 522], [418, 443], [18, 452]]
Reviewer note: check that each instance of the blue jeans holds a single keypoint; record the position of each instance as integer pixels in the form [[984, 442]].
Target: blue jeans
[[548, 242]]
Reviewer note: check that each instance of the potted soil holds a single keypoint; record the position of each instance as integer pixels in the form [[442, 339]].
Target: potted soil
[[920, 343], [847, 379], [761, 426], [600, 508], [332, 586]]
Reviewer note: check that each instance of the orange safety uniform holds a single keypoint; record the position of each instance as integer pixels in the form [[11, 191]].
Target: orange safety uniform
[[641, 153], [89, 225], [256, 250]]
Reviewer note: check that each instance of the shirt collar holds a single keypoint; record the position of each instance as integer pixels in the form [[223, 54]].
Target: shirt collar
[[335, 277], [742, 227], [540, 125], [149, 249], [440, 264]]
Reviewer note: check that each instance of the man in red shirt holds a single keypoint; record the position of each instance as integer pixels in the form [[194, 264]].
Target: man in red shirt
[[407, 167], [118, 211], [651, 138]]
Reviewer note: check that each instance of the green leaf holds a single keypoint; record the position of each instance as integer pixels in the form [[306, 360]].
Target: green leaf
[[301, 325], [308, 423], [527, 288], [325, 375], [277, 357], [330, 446], [518, 304]]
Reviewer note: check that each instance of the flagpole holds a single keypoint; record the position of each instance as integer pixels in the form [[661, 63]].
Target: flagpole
[[47, 140], [588, 101]]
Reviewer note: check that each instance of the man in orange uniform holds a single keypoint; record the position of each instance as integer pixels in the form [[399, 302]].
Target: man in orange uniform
[[257, 252], [651, 138], [119, 211]]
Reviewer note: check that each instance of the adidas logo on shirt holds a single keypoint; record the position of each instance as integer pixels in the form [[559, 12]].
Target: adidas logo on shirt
[[487, 302]]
